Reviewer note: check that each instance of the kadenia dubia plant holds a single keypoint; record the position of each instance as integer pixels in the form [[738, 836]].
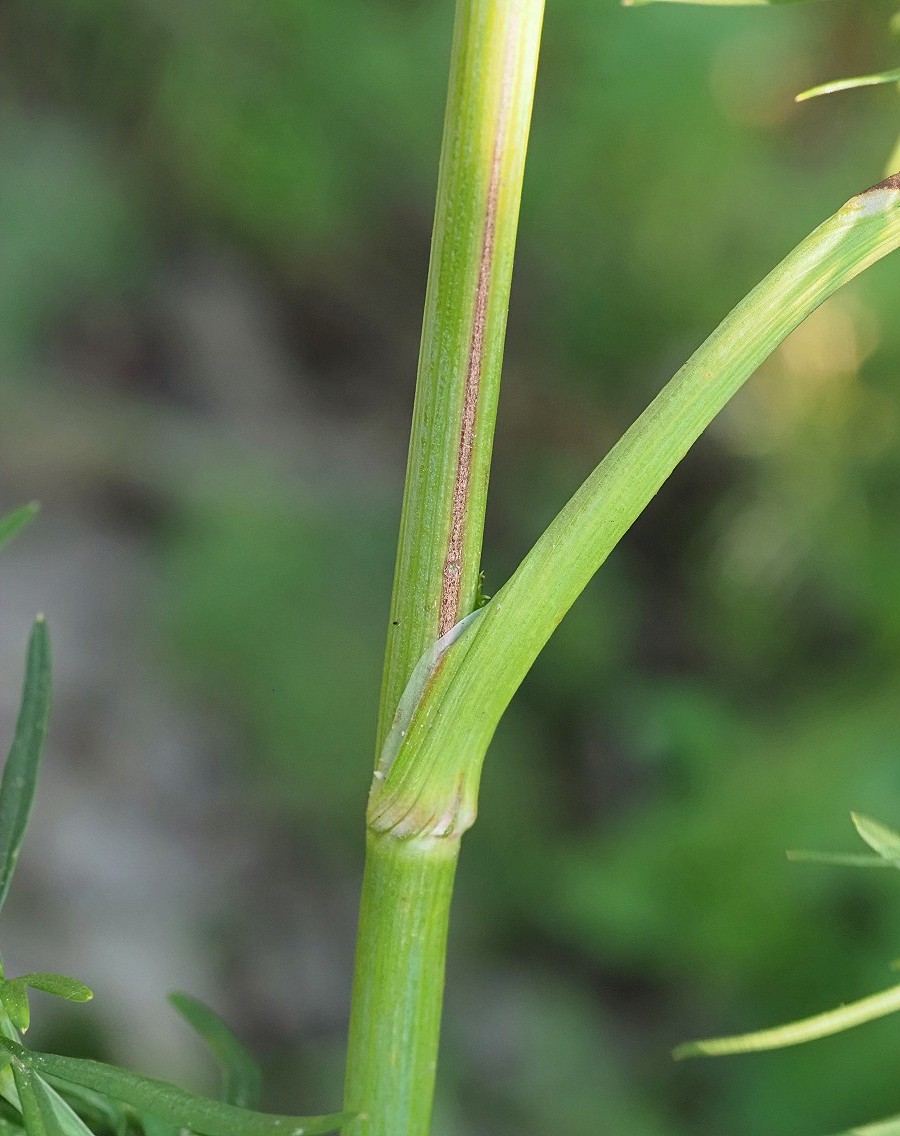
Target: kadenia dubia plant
[[454, 659]]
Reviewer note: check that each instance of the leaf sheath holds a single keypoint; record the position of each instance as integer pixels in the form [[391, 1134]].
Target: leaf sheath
[[437, 769]]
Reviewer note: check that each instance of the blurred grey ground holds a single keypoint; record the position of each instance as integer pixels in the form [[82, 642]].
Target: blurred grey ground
[[214, 228]]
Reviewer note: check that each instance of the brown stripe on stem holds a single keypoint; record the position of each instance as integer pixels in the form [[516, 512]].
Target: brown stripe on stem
[[453, 564]]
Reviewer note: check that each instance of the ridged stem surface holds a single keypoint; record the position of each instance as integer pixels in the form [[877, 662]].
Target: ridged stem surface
[[492, 77], [396, 1014]]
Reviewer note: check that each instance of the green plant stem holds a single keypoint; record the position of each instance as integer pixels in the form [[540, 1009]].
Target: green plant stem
[[492, 76], [396, 1013], [433, 780], [401, 944]]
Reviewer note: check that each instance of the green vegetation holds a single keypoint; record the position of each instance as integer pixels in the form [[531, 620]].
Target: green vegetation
[[126, 1097], [454, 661]]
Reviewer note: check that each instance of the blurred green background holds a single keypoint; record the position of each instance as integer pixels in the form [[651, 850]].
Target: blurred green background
[[214, 227]]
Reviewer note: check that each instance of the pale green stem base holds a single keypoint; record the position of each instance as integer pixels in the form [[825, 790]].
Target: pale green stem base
[[398, 984]]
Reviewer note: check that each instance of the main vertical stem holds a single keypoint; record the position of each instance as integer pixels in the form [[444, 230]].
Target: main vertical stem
[[492, 75], [399, 984], [405, 906]]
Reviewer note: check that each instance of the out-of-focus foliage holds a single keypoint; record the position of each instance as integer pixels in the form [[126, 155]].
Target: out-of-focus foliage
[[214, 224]]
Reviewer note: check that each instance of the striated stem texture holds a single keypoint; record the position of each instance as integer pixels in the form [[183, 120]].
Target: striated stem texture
[[492, 75], [401, 945]]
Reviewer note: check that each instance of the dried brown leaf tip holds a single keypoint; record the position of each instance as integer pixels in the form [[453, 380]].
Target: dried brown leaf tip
[[892, 182]]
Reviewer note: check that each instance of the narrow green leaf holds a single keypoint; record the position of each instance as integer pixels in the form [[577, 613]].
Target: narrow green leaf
[[10, 1113], [879, 838], [20, 773], [170, 1103], [795, 1033], [875, 80], [14, 996], [13, 523], [38, 1113], [241, 1076], [59, 985], [889, 1127], [839, 859], [717, 3], [94, 1109], [153, 1126], [69, 1120]]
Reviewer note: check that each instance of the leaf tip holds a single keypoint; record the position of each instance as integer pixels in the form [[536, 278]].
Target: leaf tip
[[864, 824], [891, 182]]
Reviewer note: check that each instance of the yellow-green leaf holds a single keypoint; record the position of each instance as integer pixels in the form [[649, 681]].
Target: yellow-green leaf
[[796, 1033], [875, 80], [890, 1127], [717, 3], [838, 859], [879, 837]]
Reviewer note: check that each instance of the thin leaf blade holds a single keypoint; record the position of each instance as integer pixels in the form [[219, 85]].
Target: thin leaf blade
[[890, 1127], [796, 1033], [153, 1126], [19, 781], [66, 1116], [59, 985], [96, 1109], [14, 996], [241, 1075], [169, 1102], [881, 839], [38, 1113], [876, 80], [715, 3], [13, 523], [837, 859]]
